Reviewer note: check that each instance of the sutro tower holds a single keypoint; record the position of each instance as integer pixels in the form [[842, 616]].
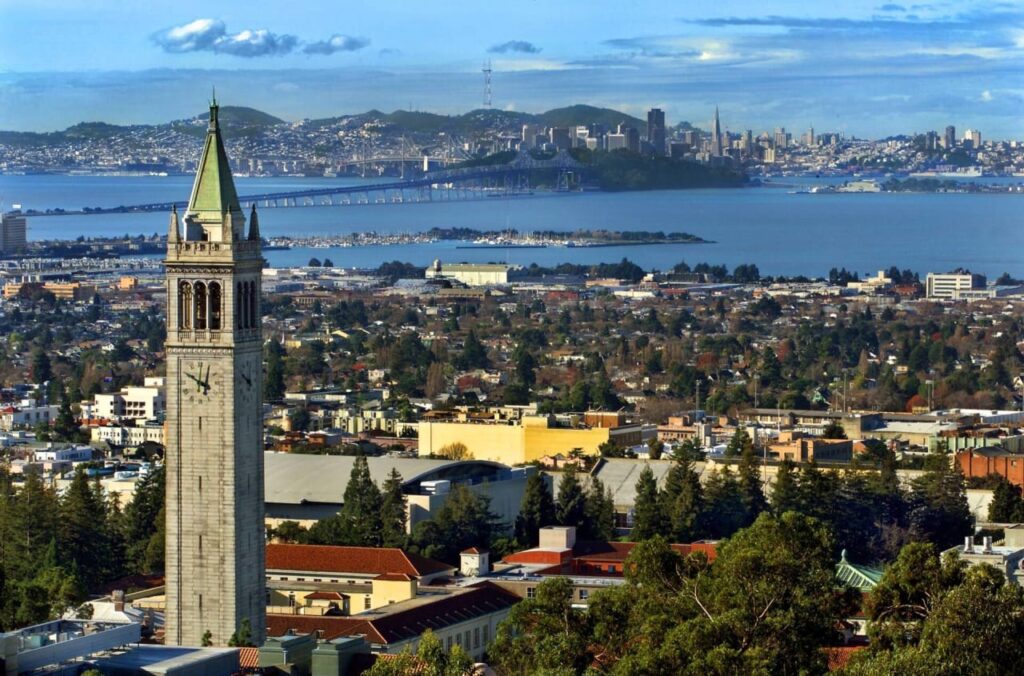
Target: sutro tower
[[487, 83]]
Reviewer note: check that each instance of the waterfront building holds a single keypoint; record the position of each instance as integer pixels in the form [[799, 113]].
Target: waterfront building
[[656, 130], [474, 274], [215, 577]]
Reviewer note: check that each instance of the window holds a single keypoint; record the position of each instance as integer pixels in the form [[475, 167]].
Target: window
[[366, 603], [584, 593], [476, 638], [531, 592], [200, 306], [184, 305], [611, 568], [487, 633], [449, 644], [214, 306]]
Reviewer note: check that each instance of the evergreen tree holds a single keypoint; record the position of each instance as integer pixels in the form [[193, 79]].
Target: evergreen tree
[[141, 521], [39, 366], [750, 486], [359, 523], [786, 489], [474, 354], [600, 512], [571, 507], [1007, 505], [82, 532], [273, 385], [536, 511], [648, 519], [724, 511], [464, 520], [938, 504], [682, 501], [65, 427], [739, 443], [393, 511]]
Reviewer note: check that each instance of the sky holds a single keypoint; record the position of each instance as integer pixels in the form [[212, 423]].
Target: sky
[[869, 69]]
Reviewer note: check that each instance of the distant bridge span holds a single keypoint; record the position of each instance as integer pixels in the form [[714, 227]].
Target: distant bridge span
[[475, 182]]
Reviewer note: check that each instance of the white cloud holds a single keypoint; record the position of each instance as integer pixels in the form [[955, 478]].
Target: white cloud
[[210, 35], [336, 43], [986, 96]]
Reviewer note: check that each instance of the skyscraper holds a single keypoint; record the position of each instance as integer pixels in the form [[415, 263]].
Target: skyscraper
[[716, 136], [215, 534], [12, 233], [656, 130], [949, 138]]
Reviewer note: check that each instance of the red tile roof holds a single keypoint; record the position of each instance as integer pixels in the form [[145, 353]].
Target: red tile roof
[[394, 577], [480, 599], [353, 560]]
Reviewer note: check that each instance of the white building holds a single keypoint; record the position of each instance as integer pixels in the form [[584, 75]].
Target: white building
[[473, 274], [948, 286], [127, 435], [27, 413], [133, 402]]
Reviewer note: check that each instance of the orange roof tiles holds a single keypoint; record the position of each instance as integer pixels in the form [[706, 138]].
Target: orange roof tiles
[[354, 560]]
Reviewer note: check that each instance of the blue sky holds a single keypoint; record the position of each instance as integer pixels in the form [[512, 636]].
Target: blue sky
[[865, 68]]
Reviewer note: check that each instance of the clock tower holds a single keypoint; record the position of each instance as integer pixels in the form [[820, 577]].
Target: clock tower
[[214, 461]]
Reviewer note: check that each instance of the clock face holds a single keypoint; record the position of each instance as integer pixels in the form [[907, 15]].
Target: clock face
[[199, 380]]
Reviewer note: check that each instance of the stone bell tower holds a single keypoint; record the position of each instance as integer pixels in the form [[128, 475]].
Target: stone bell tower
[[215, 533]]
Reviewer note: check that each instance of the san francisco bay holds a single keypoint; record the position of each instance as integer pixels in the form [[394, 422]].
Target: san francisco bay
[[783, 233]]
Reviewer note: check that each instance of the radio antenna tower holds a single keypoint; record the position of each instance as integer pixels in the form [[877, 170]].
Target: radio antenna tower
[[487, 83]]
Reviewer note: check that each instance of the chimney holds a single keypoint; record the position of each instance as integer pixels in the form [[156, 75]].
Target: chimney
[[117, 596], [988, 544], [968, 544]]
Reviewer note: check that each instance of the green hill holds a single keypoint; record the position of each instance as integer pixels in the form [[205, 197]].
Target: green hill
[[580, 114], [241, 116]]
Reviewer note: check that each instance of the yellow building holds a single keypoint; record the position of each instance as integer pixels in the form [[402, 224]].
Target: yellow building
[[519, 440]]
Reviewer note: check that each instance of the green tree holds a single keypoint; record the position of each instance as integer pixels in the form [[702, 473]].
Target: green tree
[[751, 489], [83, 532], [393, 511], [536, 511], [464, 520], [1007, 505], [474, 354], [544, 634], [724, 510], [740, 442], [907, 593], [243, 634], [938, 504], [600, 512], [273, 385], [39, 366], [682, 500], [142, 519], [430, 659], [571, 506], [359, 522], [833, 430], [648, 518], [786, 489]]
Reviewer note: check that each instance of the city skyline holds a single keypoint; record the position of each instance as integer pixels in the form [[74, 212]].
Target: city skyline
[[866, 69]]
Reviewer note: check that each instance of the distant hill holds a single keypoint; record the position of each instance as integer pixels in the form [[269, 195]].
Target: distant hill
[[580, 114], [241, 116]]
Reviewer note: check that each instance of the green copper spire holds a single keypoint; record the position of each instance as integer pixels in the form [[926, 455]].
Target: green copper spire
[[213, 193]]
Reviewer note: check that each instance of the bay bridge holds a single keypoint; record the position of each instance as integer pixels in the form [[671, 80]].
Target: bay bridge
[[462, 183]]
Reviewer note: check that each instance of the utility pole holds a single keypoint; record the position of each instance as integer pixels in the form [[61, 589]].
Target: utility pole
[[696, 406]]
